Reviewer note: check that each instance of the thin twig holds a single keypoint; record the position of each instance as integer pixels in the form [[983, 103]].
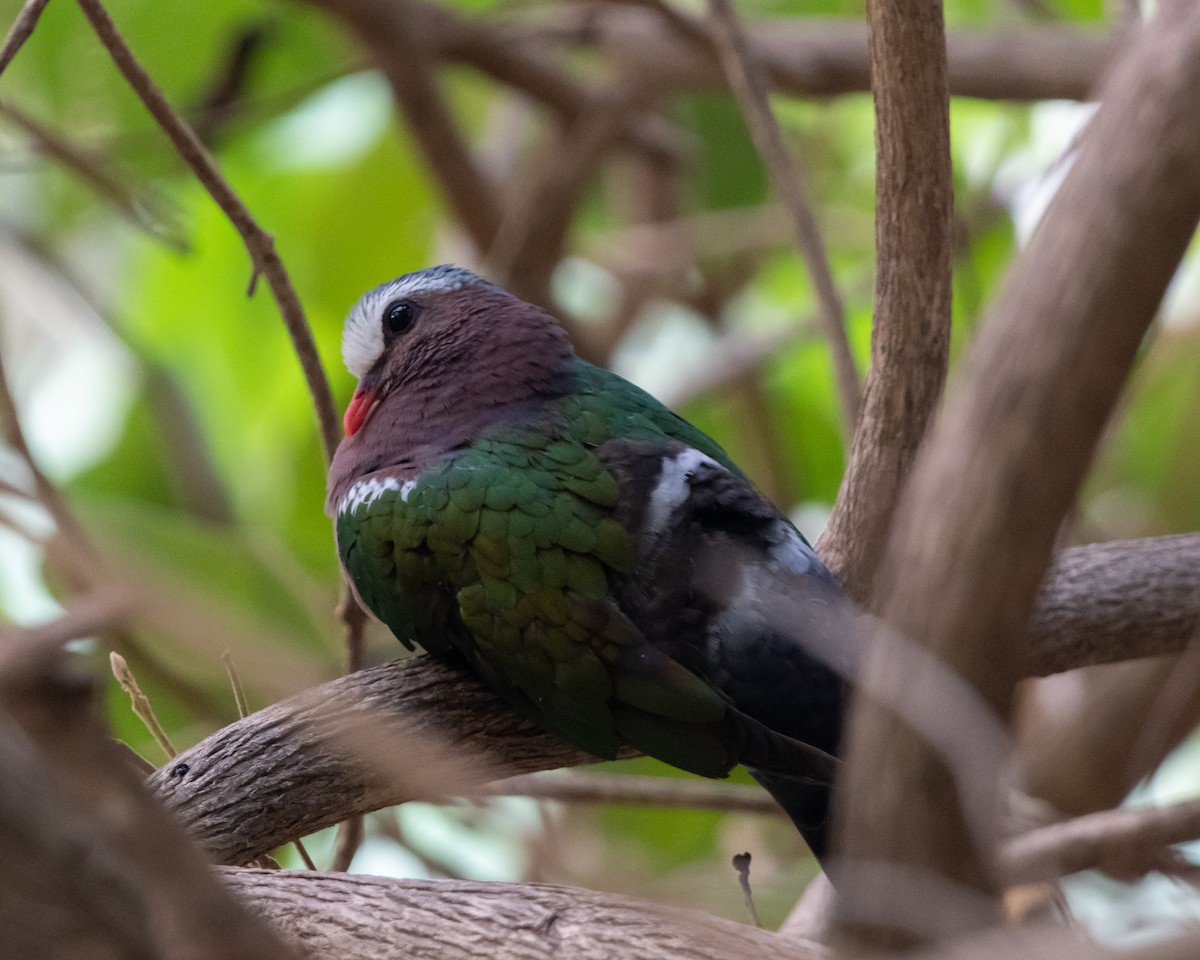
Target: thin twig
[[259, 244], [140, 703], [20, 31], [582, 787], [91, 170], [747, 82], [235, 684], [355, 620], [741, 863], [349, 838]]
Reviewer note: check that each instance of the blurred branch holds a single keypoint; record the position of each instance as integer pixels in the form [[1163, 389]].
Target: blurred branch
[[21, 30], [809, 57], [91, 169], [1131, 840], [257, 783], [605, 788], [496, 50], [93, 866], [399, 36], [532, 236], [788, 180], [910, 337], [259, 244], [977, 524], [388, 918]]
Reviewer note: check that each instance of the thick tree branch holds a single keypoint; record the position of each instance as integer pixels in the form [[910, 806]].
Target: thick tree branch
[[259, 782], [989, 491], [808, 57], [264, 780], [910, 338], [376, 918], [1104, 601]]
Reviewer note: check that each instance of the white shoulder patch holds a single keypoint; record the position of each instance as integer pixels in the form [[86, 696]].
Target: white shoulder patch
[[790, 551], [362, 337], [672, 489], [365, 491]]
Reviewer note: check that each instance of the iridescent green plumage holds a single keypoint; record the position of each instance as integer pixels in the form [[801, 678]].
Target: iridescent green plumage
[[504, 551], [591, 556]]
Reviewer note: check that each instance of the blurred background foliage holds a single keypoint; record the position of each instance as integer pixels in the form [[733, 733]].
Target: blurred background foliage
[[171, 411]]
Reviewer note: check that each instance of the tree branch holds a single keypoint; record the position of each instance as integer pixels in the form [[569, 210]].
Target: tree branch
[[259, 244], [386, 919], [910, 338], [808, 57], [21, 30], [1133, 838], [260, 782], [647, 791], [989, 491], [788, 180]]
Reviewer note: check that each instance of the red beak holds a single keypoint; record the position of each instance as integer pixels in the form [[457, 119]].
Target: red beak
[[359, 410]]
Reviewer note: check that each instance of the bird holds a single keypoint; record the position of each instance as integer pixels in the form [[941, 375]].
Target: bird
[[599, 562]]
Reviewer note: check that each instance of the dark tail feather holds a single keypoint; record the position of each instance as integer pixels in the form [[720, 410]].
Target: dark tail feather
[[807, 803]]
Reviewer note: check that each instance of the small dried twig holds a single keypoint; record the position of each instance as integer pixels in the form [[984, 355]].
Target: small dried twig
[[259, 244], [235, 684], [745, 77], [741, 863], [349, 839], [20, 31], [140, 703]]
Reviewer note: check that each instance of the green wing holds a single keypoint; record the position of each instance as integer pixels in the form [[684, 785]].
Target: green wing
[[503, 553]]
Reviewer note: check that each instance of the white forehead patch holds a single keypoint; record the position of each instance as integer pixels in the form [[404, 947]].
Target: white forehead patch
[[362, 338]]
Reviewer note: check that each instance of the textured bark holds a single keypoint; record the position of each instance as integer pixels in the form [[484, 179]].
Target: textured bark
[[267, 779], [1115, 601], [372, 918], [987, 496], [910, 336], [271, 777]]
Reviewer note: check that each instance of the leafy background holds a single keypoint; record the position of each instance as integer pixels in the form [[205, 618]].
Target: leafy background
[[170, 408]]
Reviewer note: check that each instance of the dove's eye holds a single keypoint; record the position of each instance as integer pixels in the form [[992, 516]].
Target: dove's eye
[[399, 316]]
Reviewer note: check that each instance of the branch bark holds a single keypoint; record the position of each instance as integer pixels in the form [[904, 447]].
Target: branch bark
[[910, 337], [374, 918], [267, 779], [993, 483]]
